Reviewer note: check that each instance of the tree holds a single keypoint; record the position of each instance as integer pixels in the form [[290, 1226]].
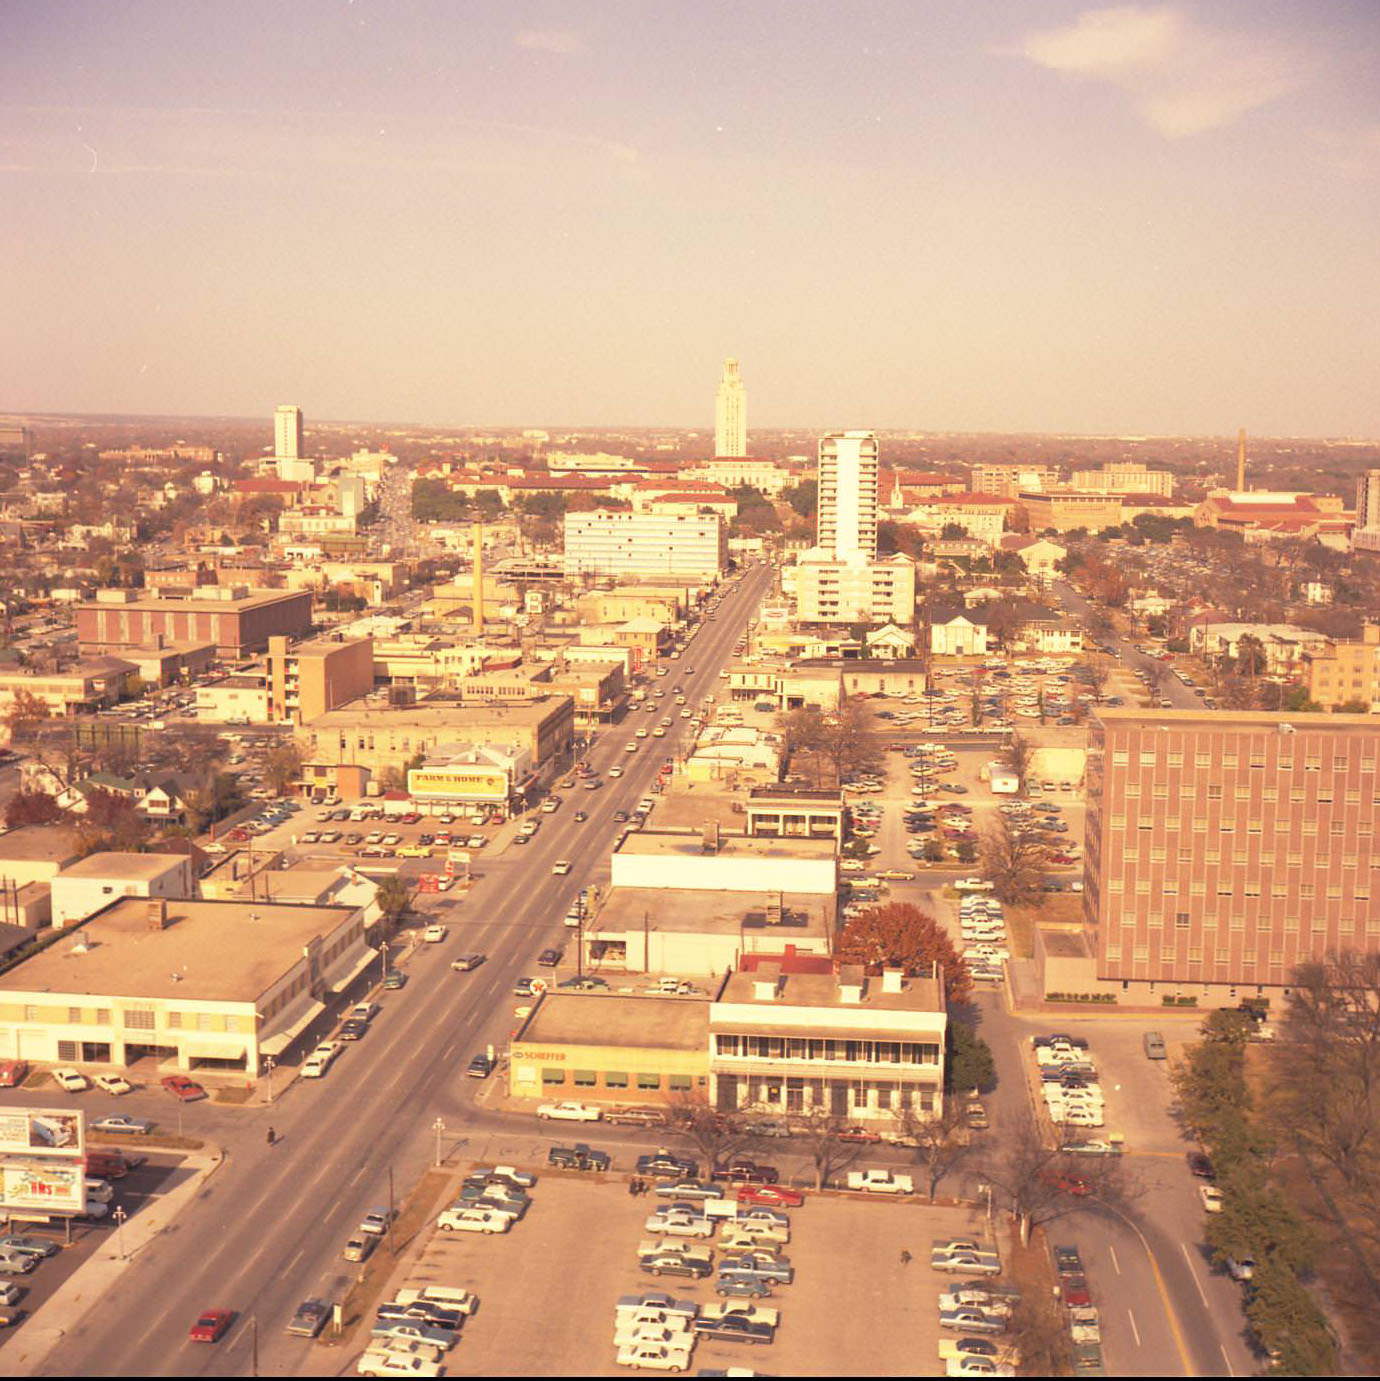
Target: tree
[[33, 808], [394, 897], [970, 1063], [110, 822], [803, 497], [1037, 1330], [1250, 655], [282, 766], [820, 1133], [716, 1134], [1288, 1323], [1096, 672], [1013, 861], [26, 711], [1018, 755], [848, 741], [900, 935], [941, 1142]]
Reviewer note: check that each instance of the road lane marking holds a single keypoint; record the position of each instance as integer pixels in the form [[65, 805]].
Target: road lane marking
[[1116, 1265], [1226, 1359], [1134, 1330], [1183, 1247]]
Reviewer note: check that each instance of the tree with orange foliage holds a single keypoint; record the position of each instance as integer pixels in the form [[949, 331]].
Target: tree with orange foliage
[[900, 935]]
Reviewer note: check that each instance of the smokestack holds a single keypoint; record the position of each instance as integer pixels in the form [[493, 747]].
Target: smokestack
[[1241, 461], [479, 580]]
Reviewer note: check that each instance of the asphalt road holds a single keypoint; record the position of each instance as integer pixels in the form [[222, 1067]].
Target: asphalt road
[[267, 1231], [1180, 696]]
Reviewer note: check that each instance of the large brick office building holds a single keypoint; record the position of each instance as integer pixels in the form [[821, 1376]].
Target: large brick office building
[[228, 616], [1224, 849]]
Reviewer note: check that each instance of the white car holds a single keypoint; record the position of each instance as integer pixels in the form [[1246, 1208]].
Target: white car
[[434, 934], [320, 1060], [615, 772], [112, 1083], [654, 1357], [1211, 1197], [560, 867], [570, 1112], [486, 1220], [71, 1081], [384, 1361]]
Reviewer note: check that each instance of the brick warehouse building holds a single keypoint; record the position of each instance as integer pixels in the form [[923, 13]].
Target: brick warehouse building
[[236, 621], [1223, 849]]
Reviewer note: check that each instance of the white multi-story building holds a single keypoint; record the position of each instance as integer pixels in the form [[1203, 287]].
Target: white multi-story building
[[691, 546], [730, 413], [847, 516], [1365, 536], [1124, 477], [287, 432], [732, 471], [837, 1045], [828, 590]]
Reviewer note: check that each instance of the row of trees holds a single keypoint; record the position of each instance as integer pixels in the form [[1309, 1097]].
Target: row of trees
[[1257, 1221], [840, 740]]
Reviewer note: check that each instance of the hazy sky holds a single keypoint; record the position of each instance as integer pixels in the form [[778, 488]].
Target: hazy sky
[[981, 215]]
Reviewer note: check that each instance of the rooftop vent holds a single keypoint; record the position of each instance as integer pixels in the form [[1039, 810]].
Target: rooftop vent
[[156, 915], [766, 981], [892, 980], [851, 983]]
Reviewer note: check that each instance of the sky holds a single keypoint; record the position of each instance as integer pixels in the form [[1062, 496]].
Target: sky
[[948, 215]]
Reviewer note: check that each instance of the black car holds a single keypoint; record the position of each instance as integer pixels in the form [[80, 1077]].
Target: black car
[[620, 816], [580, 817], [586, 984], [733, 1328], [353, 1030], [1201, 1165], [480, 1067], [578, 1157], [549, 958], [664, 1162]]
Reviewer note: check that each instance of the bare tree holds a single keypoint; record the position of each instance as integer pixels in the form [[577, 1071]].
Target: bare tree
[[1096, 672], [1036, 1332], [1018, 755], [282, 765], [941, 1143], [717, 1135], [820, 1132], [1013, 861]]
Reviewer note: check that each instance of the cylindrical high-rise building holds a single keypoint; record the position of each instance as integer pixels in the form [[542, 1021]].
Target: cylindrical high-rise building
[[287, 433], [730, 413], [847, 508]]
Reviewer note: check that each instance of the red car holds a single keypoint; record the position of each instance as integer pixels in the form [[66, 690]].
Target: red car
[[1076, 1292], [860, 1134], [13, 1073], [1070, 1184], [770, 1195], [188, 1090], [210, 1326]]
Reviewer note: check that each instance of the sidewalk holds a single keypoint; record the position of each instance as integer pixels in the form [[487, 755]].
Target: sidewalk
[[26, 1351]]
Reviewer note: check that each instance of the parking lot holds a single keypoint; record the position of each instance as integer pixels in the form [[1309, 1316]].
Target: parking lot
[[854, 1308]]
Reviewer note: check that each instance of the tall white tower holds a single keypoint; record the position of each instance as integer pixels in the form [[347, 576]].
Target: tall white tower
[[847, 507], [287, 433], [1368, 500], [730, 413]]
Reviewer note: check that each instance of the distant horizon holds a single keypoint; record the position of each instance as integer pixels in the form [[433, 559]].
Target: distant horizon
[[15, 417]]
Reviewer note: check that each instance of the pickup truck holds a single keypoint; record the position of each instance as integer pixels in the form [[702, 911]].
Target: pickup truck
[[880, 1182], [578, 1157]]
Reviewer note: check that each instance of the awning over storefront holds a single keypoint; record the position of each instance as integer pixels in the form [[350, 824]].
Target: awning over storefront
[[277, 1043], [208, 1050], [366, 958]]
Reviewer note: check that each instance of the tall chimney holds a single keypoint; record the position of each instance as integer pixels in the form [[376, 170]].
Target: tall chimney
[[1241, 461], [479, 579]]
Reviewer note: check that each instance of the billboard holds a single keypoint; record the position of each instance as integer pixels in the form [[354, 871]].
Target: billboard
[[457, 784], [42, 1166], [41, 1132], [44, 1186]]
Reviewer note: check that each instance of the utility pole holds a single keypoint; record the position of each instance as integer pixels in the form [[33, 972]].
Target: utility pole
[[438, 1127], [392, 1213], [253, 1345]]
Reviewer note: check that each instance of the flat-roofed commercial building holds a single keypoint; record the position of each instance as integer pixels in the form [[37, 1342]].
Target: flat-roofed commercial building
[[307, 679], [702, 933], [1124, 477], [711, 861], [828, 1042], [35, 853], [376, 737], [182, 984], [228, 616], [1224, 848], [1064, 510], [81, 689], [794, 812], [612, 1048], [91, 884], [241, 698], [694, 546]]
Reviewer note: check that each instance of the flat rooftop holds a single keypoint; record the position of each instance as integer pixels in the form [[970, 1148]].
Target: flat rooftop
[[654, 1022], [37, 844], [1240, 720], [198, 603], [123, 865], [215, 951], [805, 915], [918, 994], [684, 808], [1064, 944], [447, 714], [666, 843]]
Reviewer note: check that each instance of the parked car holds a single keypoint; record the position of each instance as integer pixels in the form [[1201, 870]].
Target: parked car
[[309, 1319], [112, 1083], [665, 1162], [183, 1088], [570, 1112], [71, 1080], [578, 1157], [480, 1067], [122, 1124]]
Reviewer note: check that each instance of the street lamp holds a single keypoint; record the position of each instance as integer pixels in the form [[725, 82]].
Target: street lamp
[[270, 1064], [119, 1216], [438, 1127]]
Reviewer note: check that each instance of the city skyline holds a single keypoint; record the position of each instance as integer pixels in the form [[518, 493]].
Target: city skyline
[[1071, 218]]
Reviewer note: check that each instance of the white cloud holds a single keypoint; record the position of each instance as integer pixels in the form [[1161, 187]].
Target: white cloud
[[562, 41], [1182, 77]]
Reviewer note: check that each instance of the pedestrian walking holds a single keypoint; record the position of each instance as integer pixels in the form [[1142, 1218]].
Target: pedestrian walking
[[272, 1136], [632, 1187], [905, 1257]]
